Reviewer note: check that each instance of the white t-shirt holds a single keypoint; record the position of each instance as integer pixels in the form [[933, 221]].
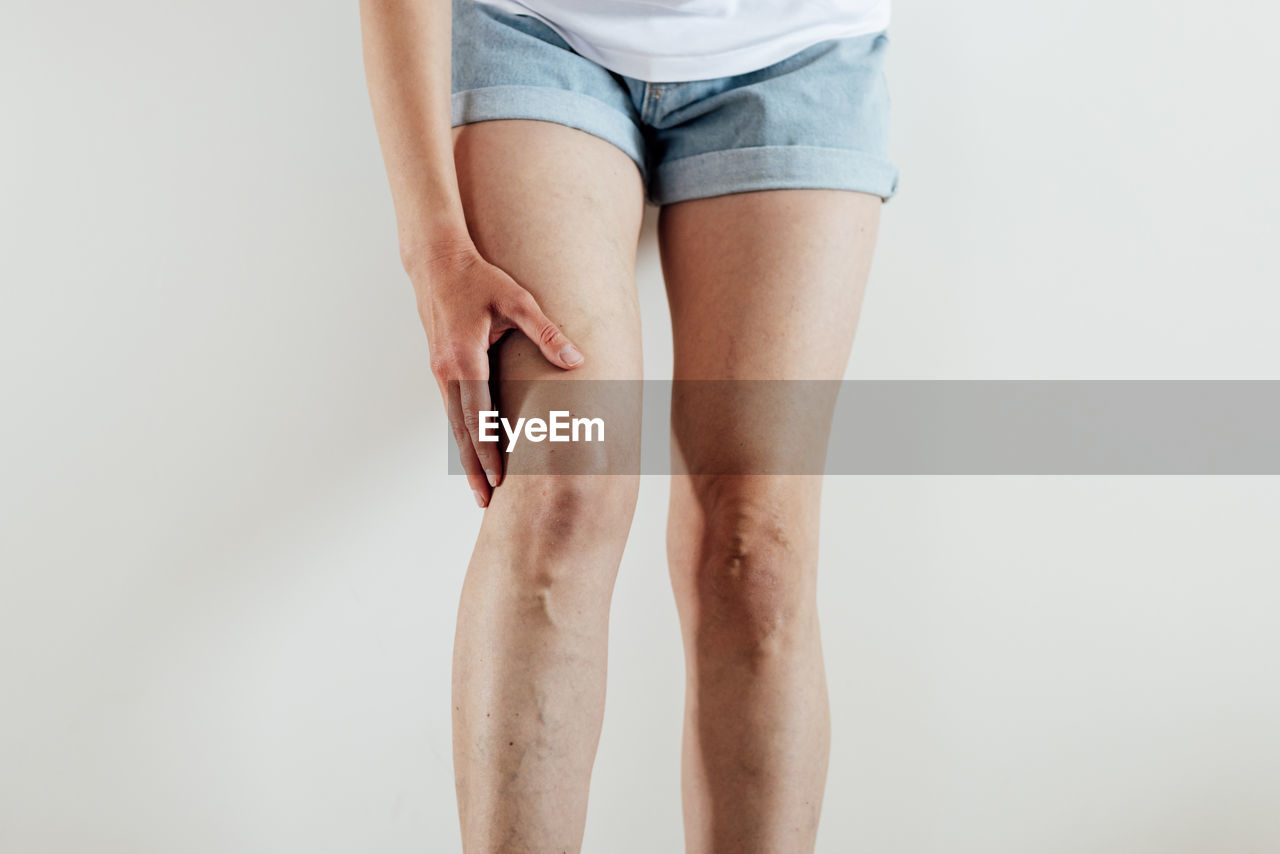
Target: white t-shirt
[[676, 40]]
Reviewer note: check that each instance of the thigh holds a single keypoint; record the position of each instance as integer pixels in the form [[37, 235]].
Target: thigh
[[767, 285], [559, 210], [765, 290]]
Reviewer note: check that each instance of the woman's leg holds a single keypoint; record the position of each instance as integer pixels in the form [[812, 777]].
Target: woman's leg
[[762, 286], [560, 212]]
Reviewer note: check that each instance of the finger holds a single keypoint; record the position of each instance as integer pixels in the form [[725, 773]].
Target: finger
[[466, 450], [475, 399], [527, 315]]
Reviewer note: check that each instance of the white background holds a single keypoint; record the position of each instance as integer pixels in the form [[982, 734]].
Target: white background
[[231, 558]]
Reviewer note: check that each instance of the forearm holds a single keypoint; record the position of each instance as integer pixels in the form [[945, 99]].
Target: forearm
[[407, 65]]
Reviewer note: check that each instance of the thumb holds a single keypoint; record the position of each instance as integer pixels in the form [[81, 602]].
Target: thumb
[[527, 315]]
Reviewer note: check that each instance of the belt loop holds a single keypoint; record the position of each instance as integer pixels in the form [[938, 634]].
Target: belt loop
[[652, 91]]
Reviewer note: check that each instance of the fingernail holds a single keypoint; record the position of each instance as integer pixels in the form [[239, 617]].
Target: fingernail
[[570, 355], [493, 478], [479, 498]]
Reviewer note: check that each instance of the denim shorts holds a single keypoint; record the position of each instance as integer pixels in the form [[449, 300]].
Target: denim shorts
[[818, 119]]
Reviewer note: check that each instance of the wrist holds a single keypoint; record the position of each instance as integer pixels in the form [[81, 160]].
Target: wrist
[[425, 250]]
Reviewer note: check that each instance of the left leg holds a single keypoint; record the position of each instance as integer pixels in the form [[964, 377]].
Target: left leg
[[762, 286]]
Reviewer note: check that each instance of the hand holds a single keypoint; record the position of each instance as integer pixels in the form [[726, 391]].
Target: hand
[[466, 305]]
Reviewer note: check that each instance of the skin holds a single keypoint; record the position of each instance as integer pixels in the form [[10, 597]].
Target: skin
[[520, 239]]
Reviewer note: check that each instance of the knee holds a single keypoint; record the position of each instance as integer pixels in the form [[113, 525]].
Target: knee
[[558, 540], [753, 580], [556, 517]]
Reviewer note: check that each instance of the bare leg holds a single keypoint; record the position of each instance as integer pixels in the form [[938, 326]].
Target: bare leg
[[560, 212], [762, 286]]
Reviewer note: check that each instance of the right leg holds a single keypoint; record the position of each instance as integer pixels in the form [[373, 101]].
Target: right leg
[[559, 210]]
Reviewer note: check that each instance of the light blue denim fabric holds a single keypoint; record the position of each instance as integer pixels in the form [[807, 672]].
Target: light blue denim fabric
[[818, 119]]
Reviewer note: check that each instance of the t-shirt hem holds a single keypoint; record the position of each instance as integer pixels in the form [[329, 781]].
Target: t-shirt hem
[[683, 69]]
